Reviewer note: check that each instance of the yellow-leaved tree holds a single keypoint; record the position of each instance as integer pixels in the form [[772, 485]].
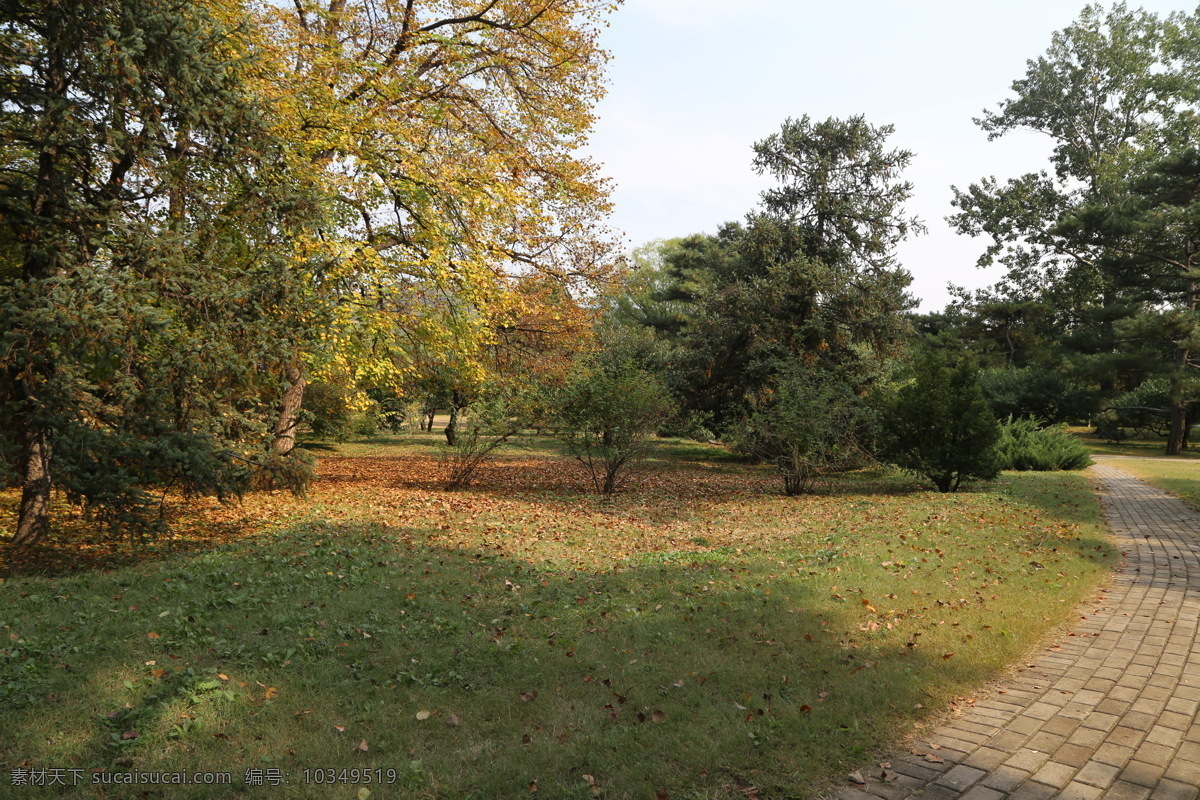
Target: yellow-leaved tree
[[446, 136]]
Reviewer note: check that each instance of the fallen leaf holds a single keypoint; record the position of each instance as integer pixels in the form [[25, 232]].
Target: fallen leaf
[[363, 746], [857, 778], [127, 735], [270, 693], [339, 728], [932, 759], [533, 787], [452, 720], [657, 716], [424, 715], [152, 635], [363, 793], [527, 696], [661, 794]]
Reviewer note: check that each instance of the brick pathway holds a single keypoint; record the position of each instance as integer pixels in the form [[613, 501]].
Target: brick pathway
[[1108, 713]]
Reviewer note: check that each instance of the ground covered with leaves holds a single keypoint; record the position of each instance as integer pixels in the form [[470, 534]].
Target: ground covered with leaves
[[698, 636]]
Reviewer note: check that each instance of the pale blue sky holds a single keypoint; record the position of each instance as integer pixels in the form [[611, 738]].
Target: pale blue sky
[[693, 83]]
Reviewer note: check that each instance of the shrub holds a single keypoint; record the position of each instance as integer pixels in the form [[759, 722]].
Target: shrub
[[489, 424], [1025, 444], [328, 411], [941, 425], [606, 417], [810, 425]]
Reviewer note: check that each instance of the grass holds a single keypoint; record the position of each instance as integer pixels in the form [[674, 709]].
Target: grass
[[698, 635], [1146, 448]]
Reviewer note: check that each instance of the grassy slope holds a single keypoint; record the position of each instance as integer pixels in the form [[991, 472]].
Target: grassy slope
[[698, 634]]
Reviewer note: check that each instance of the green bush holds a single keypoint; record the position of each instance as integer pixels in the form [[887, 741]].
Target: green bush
[[1025, 444], [327, 410], [941, 426], [607, 416], [811, 425]]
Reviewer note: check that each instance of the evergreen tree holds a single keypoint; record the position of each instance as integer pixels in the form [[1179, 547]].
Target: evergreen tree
[[941, 426], [144, 306]]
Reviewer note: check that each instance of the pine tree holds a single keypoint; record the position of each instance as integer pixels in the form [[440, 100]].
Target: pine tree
[[941, 425]]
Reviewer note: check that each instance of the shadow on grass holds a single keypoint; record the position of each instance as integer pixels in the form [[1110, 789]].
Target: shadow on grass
[[703, 679]]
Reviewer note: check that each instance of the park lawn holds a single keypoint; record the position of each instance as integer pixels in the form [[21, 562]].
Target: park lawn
[[1146, 448], [698, 636]]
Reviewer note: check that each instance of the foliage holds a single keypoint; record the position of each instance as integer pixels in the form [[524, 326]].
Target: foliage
[[810, 425], [1144, 411], [1029, 444], [328, 410], [491, 422], [610, 408], [808, 280], [447, 136], [941, 426], [1035, 391], [147, 297], [1102, 245]]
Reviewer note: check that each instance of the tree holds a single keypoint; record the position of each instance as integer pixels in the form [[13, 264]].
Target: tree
[[1094, 240], [610, 407], [447, 135], [940, 424], [810, 425], [809, 278], [143, 301]]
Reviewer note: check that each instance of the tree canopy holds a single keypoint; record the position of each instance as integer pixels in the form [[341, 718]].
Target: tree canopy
[[204, 203]]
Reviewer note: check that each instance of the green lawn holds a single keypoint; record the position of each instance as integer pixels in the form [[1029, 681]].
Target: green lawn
[[1146, 448], [698, 635]]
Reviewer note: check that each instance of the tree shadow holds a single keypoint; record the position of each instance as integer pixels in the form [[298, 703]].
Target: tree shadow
[[693, 673]]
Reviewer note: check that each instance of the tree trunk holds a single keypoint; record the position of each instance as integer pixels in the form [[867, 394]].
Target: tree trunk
[[34, 519], [1178, 432], [289, 411], [452, 426]]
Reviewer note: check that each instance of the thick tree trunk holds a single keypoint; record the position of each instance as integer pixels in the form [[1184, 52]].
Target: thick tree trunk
[[289, 411], [33, 521], [1178, 431]]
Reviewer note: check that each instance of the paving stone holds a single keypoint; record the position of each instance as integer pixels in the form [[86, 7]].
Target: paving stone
[[1073, 755], [983, 793], [1026, 759], [1055, 774], [1033, 791], [1099, 774], [1080, 791], [1174, 790], [962, 777], [986, 758], [1004, 779], [1141, 773]]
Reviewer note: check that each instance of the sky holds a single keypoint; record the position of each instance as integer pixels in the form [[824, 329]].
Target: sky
[[694, 83]]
